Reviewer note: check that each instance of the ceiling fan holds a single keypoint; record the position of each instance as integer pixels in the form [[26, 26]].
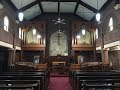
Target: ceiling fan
[[59, 20]]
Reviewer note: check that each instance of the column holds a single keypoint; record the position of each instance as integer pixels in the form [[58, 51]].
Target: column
[[106, 61]]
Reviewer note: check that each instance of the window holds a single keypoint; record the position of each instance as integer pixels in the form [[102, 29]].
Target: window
[[111, 24], [96, 33], [6, 23], [21, 33]]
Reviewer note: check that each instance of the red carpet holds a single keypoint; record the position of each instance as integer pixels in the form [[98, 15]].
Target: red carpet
[[59, 83], [58, 75]]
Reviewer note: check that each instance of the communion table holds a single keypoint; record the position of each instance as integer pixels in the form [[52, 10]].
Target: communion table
[[58, 67]]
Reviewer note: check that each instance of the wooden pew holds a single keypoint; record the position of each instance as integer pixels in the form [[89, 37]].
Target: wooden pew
[[24, 77], [95, 66], [99, 84], [19, 84], [80, 76], [42, 76], [45, 71]]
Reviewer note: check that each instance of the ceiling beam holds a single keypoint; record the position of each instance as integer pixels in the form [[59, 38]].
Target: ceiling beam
[[11, 5], [76, 7], [28, 6], [88, 6], [41, 8], [58, 7], [105, 5]]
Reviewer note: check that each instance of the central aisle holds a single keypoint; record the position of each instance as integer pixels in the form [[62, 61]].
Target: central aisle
[[59, 83]]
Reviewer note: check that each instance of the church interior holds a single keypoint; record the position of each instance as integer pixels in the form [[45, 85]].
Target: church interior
[[59, 45]]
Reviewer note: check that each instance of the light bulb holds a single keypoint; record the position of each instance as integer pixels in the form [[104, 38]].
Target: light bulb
[[21, 15]]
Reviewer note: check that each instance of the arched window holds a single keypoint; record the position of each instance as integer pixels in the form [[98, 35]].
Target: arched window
[[111, 24], [21, 33], [96, 33], [6, 23]]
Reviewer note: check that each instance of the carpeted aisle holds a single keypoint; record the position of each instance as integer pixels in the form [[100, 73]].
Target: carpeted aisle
[[59, 83]]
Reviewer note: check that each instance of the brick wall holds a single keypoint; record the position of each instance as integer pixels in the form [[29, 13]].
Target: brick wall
[[109, 37], [13, 26], [105, 17]]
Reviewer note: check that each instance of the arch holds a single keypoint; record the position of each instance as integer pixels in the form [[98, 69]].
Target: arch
[[58, 44]]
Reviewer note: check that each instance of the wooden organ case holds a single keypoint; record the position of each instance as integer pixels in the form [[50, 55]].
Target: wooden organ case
[[34, 40], [84, 43]]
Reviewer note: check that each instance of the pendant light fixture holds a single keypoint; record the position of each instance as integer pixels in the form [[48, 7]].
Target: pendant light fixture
[[98, 16], [21, 15]]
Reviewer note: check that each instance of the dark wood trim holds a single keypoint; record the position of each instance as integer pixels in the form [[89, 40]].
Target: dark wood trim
[[82, 49], [105, 5], [58, 7], [28, 6], [103, 8], [88, 6], [76, 7], [41, 8], [11, 5]]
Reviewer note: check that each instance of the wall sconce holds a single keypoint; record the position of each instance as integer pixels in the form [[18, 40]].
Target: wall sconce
[[38, 36], [78, 36]]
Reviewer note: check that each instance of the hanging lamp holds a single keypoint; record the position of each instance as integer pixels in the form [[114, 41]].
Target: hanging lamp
[[98, 16], [20, 14]]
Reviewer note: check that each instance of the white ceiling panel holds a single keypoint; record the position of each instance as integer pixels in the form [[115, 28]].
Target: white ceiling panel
[[21, 3], [85, 13], [88, 16], [67, 7], [32, 12], [50, 6], [93, 3]]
